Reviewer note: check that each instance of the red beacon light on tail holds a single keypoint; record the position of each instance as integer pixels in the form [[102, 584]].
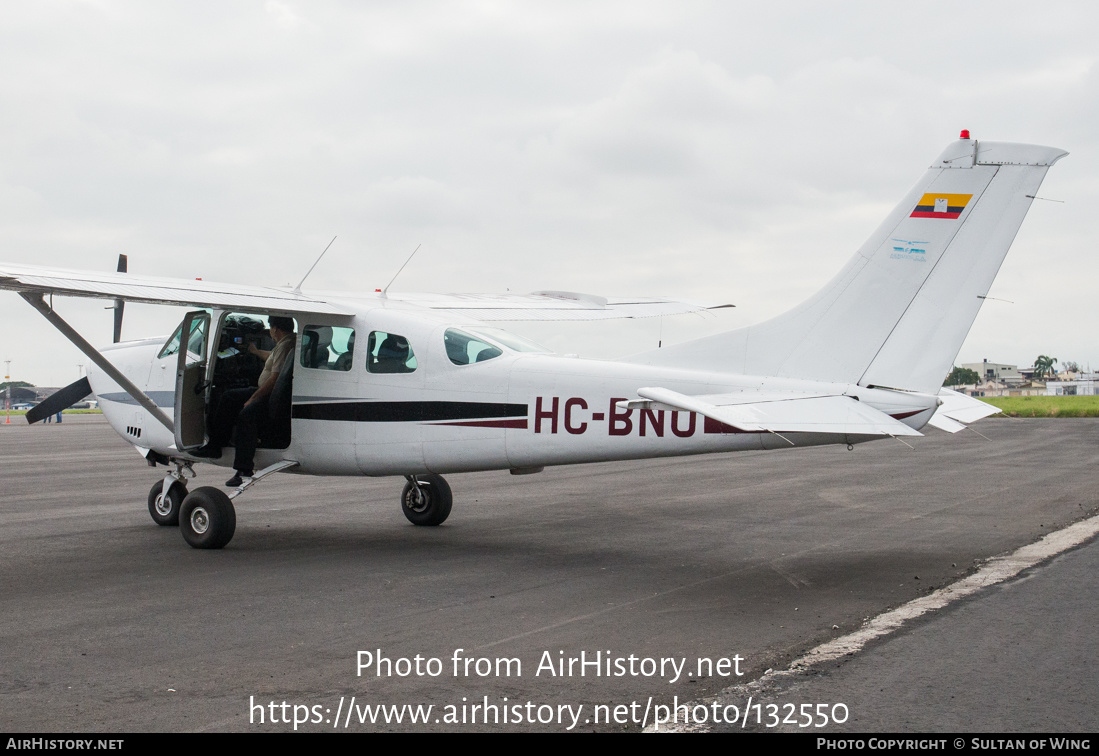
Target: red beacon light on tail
[[964, 134]]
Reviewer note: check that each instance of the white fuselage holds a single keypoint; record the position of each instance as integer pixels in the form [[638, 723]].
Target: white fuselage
[[518, 411]]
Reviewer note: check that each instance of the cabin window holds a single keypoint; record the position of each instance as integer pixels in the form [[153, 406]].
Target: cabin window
[[196, 343], [389, 353], [464, 348], [327, 347]]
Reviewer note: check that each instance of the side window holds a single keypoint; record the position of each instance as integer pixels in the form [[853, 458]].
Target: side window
[[173, 343], [196, 342], [327, 347], [389, 353], [463, 348]]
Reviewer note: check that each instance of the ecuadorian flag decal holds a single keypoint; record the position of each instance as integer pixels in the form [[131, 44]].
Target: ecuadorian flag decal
[[941, 205]]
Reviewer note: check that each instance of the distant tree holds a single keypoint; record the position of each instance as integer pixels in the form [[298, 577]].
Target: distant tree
[[960, 376], [1043, 366], [1070, 367]]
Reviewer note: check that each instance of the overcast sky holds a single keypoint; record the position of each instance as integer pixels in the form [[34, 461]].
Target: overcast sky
[[732, 152]]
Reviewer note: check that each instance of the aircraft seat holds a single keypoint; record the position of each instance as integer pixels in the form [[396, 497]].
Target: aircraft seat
[[315, 351]]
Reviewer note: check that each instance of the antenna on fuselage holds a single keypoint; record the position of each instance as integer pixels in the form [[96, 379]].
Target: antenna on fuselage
[[406, 262], [297, 289]]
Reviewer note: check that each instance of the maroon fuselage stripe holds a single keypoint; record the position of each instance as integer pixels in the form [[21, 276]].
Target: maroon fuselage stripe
[[520, 423], [903, 415]]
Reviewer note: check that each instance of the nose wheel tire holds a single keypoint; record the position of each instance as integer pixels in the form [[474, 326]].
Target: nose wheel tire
[[164, 508], [207, 518], [430, 505]]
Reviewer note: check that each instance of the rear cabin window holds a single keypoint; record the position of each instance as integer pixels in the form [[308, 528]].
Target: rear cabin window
[[327, 347], [389, 353], [464, 348]]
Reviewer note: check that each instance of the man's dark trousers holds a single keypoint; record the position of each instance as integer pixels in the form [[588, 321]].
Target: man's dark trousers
[[231, 412], [247, 435]]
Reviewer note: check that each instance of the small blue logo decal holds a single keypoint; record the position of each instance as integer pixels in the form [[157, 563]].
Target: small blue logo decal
[[908, 250]]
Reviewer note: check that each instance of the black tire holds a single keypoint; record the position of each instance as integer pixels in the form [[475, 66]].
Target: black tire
[[165, 509], [434, 507], [207, 518]]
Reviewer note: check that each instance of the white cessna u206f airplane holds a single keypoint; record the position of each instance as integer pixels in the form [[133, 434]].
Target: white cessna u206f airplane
[[419, 385]]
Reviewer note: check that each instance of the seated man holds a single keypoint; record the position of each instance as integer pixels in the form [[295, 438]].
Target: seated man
[[344, 361], [392, 355], [246, 407]]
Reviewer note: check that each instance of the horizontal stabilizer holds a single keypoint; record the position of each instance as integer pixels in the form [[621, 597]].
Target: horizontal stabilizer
[[59, 400], [779, 413], [942, 422], [957, 409]]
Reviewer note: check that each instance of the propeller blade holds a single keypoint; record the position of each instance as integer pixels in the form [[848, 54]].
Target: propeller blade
[[63, 399], [119, 305]]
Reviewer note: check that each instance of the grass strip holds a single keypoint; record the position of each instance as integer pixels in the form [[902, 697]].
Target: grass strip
[[1045, 406]]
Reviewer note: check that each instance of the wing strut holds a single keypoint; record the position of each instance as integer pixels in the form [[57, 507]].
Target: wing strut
[[39, 303]]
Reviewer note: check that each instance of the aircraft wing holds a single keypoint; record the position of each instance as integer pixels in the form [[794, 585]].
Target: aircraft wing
[[128, 287], [779, 413], [540, 305], [552, 305]]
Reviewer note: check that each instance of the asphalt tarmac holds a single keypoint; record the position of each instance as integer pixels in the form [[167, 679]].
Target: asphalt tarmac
[[1018, 659], [113, 624]]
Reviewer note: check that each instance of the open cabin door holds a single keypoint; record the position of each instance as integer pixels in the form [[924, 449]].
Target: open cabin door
[[190, 394]]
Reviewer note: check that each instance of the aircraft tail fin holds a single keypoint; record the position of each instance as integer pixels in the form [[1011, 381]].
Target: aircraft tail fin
[[897, 313]]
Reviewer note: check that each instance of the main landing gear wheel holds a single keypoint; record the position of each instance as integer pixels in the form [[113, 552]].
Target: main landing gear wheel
[[426, 500], [207, 518], [165, 508]]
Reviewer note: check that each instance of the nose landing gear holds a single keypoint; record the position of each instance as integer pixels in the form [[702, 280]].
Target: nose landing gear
[[164, 505], [166, 496]]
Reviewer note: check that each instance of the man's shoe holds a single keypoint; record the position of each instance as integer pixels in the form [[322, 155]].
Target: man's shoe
[[238, 479], [207, 452]]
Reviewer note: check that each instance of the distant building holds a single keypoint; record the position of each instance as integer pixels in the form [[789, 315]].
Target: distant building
[[21, 394], [994, 388], [1071, 388], [996, 371], [28, 394]]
